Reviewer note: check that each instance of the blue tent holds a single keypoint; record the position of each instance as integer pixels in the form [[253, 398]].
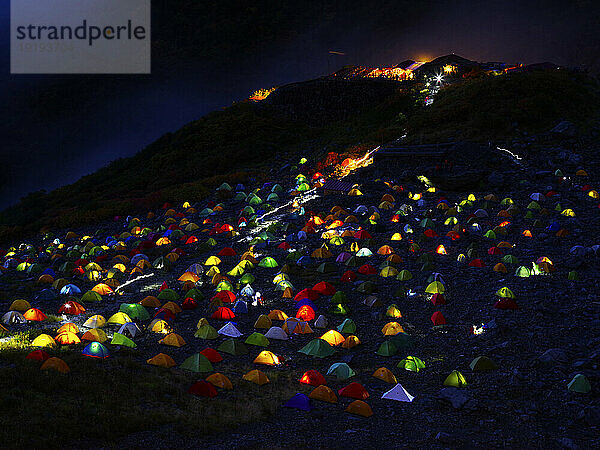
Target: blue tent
[[300, 401], [96, 350]]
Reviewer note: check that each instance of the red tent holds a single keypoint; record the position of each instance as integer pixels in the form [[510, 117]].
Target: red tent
[[438, 318], [71, 307], [477, 263], [189, 303], [313, 378], [306, 293], [438, 299], [212, 355], [223, 313], [305, 313], [324, 288], [367, 269], [225, 296], [354, 390], [348, 277], [430, 233], [38, 355], [362, 234], [227, 251], [506, 303], [203, 389]]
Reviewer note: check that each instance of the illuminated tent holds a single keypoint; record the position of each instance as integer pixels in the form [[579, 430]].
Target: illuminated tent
[[96, 350], [398, 393], [120, 339]]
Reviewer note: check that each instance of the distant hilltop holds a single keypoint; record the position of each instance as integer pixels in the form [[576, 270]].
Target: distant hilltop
[[444, 65]]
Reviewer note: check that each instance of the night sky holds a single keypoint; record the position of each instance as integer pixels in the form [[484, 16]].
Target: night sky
[[208, 54]]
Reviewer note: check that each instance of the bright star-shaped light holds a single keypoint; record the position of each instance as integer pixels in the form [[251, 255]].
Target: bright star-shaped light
[[439, 78]]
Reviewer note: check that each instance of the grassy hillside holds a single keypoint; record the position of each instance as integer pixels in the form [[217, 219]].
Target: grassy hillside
[[228, 145], [306, 119], [493, 107]]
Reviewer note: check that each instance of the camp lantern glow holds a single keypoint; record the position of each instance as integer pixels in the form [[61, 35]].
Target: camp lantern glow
[[349, 165]]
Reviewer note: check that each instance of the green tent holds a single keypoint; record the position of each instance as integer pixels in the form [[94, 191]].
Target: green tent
[[268, 262], [194, 293], [121, 339], [224, 187], [318, 348], [411, 363], [402, 340], [388, 348], [573, 275], [523, 272], [135, 311], [326, 267], [455, 379], [168, 295], [580, 384], [247, 278], [206, 332], [367, 287], [91, 297], [404, 275], [233, 347], [342, 371], [197, 363], [340, 309], [347, 326], [482, 363], [505, 292], [510, 259], [339, 297], [490, 234], [257, 339], [224, 286]]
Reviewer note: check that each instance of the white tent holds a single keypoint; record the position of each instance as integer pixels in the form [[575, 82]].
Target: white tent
[[229, 330], [276, 333], [399, 394]]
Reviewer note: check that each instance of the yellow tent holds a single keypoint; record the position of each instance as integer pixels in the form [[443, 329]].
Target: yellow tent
[[263, 322], [119, 319], [95, 334], [351, 342], [257, 377], [57, 364], [172, 339], [266, 357], [19, 305], [333, 337], [161, 360], [360, 408], [323, 393], [43, 340], [160, 326], [392, 329], [219, 380], [385, 374]]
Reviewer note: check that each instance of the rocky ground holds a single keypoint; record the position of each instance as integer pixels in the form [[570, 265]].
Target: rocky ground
[[538, 348]]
